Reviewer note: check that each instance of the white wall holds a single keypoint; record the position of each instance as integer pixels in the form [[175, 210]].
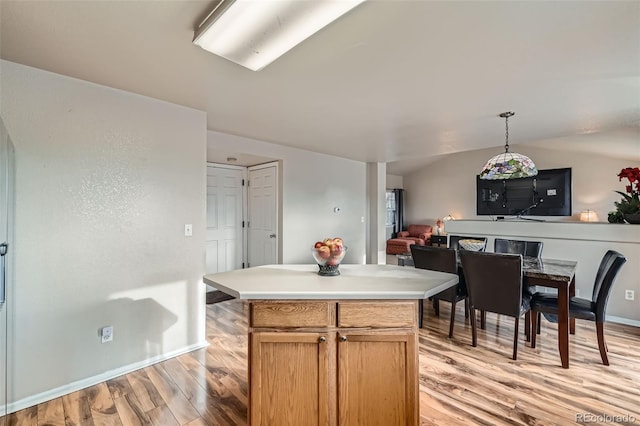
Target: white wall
[[105, 182], [313, 184], [448, 186], [394, 182], [377, 213]]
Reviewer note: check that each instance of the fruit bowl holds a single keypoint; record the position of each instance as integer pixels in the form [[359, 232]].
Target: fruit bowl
[[328, 254], [471, 245]]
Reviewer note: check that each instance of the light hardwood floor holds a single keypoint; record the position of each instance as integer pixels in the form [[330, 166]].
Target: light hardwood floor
[[459, 384]]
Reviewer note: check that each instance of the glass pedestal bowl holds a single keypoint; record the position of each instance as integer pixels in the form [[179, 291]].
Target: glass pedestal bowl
[[328, 259], [471, 245]]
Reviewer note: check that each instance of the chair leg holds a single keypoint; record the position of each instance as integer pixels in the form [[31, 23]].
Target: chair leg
[[515, 340], [466, 307], [474, 336], [601, 343], [527, 325], [483, 320], [538, 329], [453, 318], [535, 323], [420, 312], [436, 306]]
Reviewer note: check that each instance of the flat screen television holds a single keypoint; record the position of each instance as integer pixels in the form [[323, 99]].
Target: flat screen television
[[547, 194]]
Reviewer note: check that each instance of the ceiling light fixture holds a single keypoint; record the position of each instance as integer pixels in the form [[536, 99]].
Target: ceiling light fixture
[[508, 165], [255, 33]]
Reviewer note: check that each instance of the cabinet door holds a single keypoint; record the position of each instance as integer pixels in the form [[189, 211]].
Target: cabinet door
[[290, 378], [378, 379]]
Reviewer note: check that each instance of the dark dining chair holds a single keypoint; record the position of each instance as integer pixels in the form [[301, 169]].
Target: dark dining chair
[[454, 241], [525, 248], [442, 260], [494, 283], [587, 309]]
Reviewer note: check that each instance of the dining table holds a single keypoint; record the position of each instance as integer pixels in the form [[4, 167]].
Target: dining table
[[558, 274]]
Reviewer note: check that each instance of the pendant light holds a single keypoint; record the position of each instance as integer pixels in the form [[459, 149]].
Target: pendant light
[[508, 165]]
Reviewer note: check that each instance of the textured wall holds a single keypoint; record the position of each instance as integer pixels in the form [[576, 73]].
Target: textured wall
[[448, 186], [106, 181]]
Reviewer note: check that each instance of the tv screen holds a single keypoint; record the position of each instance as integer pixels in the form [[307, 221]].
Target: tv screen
[[547, 194]]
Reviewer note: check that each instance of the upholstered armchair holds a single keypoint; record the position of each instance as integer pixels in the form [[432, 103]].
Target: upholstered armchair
[[415, 234], [420, 234]]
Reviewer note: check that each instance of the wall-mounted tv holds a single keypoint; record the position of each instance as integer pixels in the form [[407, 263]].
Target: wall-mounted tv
[[547, 194]]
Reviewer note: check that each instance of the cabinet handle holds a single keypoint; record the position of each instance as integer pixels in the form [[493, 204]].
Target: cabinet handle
[[343, 338], [322, 339]]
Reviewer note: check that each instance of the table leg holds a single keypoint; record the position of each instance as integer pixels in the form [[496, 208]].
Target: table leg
[[572, 293], [563, 324]]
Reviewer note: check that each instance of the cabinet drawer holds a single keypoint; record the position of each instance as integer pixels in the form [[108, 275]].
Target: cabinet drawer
[[292, 314], [377, 313]]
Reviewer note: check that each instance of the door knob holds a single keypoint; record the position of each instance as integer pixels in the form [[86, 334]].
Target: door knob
[[272, 235], [343, 338], [322, 339]]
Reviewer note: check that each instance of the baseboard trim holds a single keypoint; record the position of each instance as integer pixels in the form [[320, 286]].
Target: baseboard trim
[[90, 381], [625, 321]]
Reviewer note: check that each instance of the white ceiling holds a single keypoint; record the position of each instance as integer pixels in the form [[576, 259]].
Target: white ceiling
[[392, 81]]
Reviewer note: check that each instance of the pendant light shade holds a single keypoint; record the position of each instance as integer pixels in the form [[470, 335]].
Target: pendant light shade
[[508, 165]]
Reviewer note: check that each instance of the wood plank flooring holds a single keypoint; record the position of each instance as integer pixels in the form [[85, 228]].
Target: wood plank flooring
[[459, 384]]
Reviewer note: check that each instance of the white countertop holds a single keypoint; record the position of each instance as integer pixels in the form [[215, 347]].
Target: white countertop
[[354, 282]]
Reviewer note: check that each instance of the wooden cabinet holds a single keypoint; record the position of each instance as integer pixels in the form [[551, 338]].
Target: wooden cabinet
[[289, 382], [350, 363], [377, 379]]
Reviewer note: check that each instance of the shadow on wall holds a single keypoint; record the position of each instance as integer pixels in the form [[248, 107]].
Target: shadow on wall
[[143, 317], [138, 332]]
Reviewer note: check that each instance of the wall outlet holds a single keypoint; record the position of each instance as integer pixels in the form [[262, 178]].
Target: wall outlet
[[577, 292], [106, 334], [188, 230], [629, 295]]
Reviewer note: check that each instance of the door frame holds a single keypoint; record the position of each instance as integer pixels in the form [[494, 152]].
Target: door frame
[[278, 212]]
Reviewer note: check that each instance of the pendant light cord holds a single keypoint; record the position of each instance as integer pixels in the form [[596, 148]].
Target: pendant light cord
[[506, 134]]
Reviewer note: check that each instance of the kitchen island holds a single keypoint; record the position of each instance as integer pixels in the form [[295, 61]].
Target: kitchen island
[[333, 350]]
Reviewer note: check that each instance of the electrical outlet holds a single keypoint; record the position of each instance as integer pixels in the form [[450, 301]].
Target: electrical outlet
[[106, 334], [629, 295], [188, 230], [577, 292]]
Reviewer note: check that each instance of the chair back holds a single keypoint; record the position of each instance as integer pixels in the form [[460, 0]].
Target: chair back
[[610, 265], [455, 239], [441, 260], [494, 281], [525, 248], [434, 258]]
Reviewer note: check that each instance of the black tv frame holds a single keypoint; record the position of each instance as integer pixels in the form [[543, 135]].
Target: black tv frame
[[547, 194]]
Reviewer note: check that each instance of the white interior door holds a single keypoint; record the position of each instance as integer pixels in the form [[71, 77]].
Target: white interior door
[[263, 215], [224, 240]]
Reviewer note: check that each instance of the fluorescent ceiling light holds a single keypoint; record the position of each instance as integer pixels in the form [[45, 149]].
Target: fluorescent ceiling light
[[254, 33]]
